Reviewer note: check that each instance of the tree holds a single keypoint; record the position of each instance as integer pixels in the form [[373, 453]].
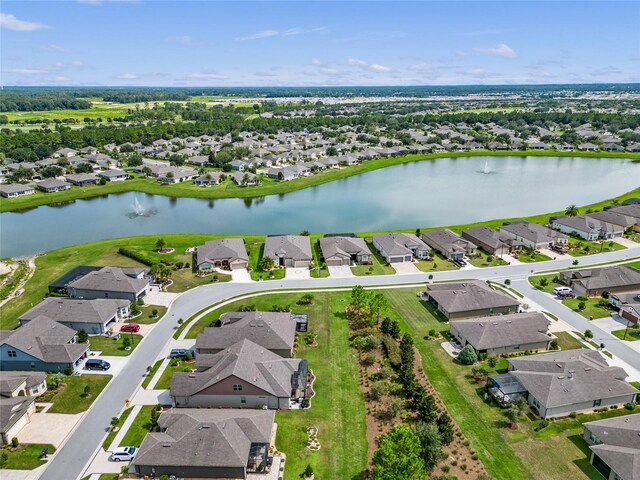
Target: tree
[[358, 300], [126, 343], [512, 415], [83, 336], [588, 334], [582, 306], [431, 444], [146, 171], [467, 355], [87, 390], [4, 459], [521, 405], [571, 211], [308, 471], [399, 456], [154, 271], [160, 244], [445, 428], [84, 168], [266, 263], [51, 171], [394, 406], [377, 304], [543, 282]]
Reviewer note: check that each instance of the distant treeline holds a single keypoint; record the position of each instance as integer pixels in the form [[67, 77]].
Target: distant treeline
[[37, 100]]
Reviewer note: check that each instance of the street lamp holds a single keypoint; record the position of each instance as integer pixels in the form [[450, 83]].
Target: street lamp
[[629, 309]]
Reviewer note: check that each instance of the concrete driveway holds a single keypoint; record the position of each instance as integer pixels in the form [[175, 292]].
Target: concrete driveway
[[625, 242], [340, 272], [117, 365], [405, 268], [293, 273], [241, 275], [156, 297], [50, 428]]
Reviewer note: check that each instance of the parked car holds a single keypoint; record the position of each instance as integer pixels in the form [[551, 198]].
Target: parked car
[[123, 454], [97, 364], [560, 291], [130, 327], [181, 353]]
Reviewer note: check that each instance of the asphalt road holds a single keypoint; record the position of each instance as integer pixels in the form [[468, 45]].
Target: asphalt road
[[71, 460]]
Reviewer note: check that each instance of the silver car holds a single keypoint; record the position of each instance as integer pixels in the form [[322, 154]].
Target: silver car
[[123, 454]]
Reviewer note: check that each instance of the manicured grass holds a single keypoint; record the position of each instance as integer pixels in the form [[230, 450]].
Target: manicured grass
[[632, 334], [26, 456], [147, 317], [255, 249], [480, 260], [110, 346], [184, 280], [532, 258], [69, 397], [594, 307], [151, 373], [317, 255], [581, 248], [551, 284], [109, 476], [164, 382], [436, 263], [378, 264], [112, 434], [568, 342], [139, 428], [268, 186]]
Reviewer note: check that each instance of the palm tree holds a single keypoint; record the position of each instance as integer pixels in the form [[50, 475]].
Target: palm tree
[[571, 211], [245, 179], [146, 171], [155, 270]]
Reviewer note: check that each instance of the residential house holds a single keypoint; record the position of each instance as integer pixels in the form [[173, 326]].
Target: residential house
[[41, 345], [208, 179], [487, 239], [244, 375], [450, 245], [207, 443], [530, 235], [595, 281], [341, 250], [53, 185], [501, 334], [198, 160], [274, 331], [95, 317], [401, 247], [238, 165], [176, 175], [615, 446], [82, 179], [614, 216], [588, 147], [13, 190], [64, 152], [587, 227], [245, 178], [113, 175], [22, 384], [110, 282], [457, 300], [228, 254], [15, 413], [289, 250], [559, 383], [628, 305]]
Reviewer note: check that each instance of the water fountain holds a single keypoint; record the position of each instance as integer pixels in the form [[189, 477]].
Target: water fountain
[[137, 207], [139, 210], [486, 170]]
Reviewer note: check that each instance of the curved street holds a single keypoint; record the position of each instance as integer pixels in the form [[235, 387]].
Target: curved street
[[81, 446]]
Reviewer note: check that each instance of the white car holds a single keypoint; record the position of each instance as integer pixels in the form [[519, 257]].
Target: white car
[[123, 454]]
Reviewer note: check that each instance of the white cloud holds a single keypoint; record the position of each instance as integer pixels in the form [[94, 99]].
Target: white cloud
[[10, 22], [315, 61], [78, 65], [97, 3], [54, 48], [502, 50], [181, 40], [28, 70], [279, 33], [60, 78], [128, 76], [461, 53], [372, 67], [206, 76]]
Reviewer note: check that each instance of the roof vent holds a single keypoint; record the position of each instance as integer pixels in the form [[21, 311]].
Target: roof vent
[[560, 377], [166, 444], [481, 324], [558, 365]]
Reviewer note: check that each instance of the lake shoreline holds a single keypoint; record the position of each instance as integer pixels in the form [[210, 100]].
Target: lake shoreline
[[184, 190]]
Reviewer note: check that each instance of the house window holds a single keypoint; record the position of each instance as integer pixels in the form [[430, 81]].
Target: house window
[[594, 439], [597, 403], [243, 400], [237, 387], [516, 347], [12, 353]]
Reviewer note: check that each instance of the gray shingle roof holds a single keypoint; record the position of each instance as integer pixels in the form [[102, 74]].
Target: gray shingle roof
[[112, 279], [468, 296], [484, 235], [46, 340], [76, 310], [12, 410], [271, 330], [229, 249], [343, 247], [620, 431], [297, 247], [244, 360], [9, 381], [624, 461], [606, 277], [568, 377], [533, 232], [205, 438], [447, 240], [504, 330], [397, 243]]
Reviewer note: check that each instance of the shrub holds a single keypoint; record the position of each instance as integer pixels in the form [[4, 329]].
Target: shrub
[[573, 415], [630, 406], [379, 389], [432, 332], [179, 265], [588, 334], [365, 342], [554, 345], [306, 299], [308, 471], [126, 342], [114, 421], [492, 360], [87, 390], [467, 355], [582, 306], [141, 301], [136, 255], [14, 442], [68, 371], [83, 336], [543, 282], [392, 351], [4, 459], [507, 282], [154, 312], [188, 356]]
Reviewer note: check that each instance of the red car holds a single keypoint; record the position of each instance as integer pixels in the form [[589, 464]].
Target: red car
[[130, 327]]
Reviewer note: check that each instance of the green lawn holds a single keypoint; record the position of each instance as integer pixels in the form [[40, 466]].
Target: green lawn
[[480, 260], [568, 342], [436, 263], [69, 397], [26, 456], [151, 373], [111, 346], [594, 307], [164, 382], [147, 316], [317, 255], [139, 428], [255, 250], [551, 454], [551, 283], [378, 264], [528, 257], [632, 334], [581, 248], [112, 434]]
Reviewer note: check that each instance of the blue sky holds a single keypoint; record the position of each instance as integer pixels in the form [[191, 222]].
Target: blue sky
[[201, 43]]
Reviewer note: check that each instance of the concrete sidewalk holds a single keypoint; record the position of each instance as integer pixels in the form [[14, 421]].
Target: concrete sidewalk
[[124, 428]]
